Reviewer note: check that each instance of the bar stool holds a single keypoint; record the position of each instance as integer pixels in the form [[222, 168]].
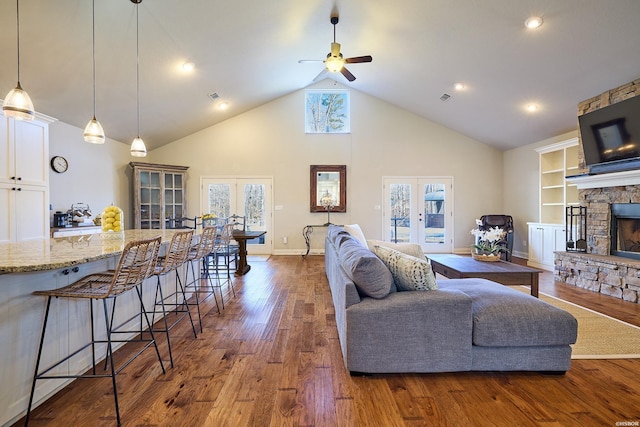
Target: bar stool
[[197, 253], [135, 265], [227, 253], [175, 257]]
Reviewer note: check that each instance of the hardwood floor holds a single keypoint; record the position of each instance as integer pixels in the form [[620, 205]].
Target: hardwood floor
[[272, 358]]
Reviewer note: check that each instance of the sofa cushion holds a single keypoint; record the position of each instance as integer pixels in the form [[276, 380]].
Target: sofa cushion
[[409, 273], [356, 231], [412, 249], [371, 277], [504, 317]]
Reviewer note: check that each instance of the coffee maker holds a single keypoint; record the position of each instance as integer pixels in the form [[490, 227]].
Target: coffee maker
[[61, 220]]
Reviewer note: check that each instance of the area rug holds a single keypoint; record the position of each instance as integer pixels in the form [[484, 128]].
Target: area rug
[[599, 336]]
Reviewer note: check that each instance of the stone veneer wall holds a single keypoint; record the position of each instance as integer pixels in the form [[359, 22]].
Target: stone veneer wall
[[596, 270]]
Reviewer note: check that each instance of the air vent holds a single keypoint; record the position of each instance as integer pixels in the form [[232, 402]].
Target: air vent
[[214, 96], [445, 97]]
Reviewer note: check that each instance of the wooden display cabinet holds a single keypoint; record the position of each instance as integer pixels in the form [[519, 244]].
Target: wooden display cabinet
[[159, 194]]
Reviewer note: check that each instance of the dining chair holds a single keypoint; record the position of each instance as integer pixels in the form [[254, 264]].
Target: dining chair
[[136, 264]]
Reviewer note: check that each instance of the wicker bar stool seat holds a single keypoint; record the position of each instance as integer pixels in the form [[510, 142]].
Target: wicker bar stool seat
[[134, 266], [219, 262], [174, 258], [202, 285]]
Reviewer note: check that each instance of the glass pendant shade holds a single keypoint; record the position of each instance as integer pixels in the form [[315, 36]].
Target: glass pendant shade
[[138, 149], [18, 105], [93, 132]]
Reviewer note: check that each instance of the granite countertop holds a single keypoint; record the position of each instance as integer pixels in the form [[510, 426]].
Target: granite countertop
[[60, 252]]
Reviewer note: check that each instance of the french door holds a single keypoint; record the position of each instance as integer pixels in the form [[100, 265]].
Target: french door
[[419, 210], [247, 197]]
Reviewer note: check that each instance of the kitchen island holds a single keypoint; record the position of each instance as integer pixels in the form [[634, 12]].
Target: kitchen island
[[45, 264]]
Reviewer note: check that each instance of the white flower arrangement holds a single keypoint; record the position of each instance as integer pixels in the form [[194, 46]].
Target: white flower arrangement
[[489, 241]]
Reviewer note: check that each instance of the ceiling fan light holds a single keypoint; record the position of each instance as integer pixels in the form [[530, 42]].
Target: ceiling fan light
[[138, 149], [533, 22], [93, 132], [334, 64], [18, 105]]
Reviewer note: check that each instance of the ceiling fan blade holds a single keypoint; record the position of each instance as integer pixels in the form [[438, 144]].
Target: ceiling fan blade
[[347, 74], [304, 61], [321, 75], [357, 59]]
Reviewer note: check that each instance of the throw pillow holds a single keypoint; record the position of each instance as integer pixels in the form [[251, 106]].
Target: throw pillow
[[409, 273], [371, 277], [356, 231], [412, 249]]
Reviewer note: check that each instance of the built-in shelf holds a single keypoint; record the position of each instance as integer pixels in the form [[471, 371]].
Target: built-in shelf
[[556, 193]]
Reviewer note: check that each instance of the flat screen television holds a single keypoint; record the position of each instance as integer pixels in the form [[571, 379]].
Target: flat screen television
[[611, 137]]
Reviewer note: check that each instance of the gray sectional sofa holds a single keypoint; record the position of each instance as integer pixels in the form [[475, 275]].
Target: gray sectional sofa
[[464, 325]]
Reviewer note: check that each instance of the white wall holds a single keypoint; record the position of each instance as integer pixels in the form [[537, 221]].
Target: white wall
[[521, 188], [97, 174], [385, 140]]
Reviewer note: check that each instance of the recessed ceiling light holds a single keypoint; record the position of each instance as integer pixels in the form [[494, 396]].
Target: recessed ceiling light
[[532, 108], [533, 22], [223, 105], [188, 66], [459, 86]]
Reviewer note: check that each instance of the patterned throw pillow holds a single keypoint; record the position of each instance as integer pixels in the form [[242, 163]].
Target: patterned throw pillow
[[409, 273]]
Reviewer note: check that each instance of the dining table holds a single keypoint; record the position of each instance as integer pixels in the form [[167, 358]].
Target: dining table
[[241, 236]]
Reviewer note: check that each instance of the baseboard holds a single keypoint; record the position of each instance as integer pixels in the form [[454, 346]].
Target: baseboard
[[518, 254]]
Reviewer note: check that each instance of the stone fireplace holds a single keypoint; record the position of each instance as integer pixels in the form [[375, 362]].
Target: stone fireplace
[[611, 264]]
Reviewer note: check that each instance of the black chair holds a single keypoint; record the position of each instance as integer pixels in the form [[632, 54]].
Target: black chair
[[506, 223]]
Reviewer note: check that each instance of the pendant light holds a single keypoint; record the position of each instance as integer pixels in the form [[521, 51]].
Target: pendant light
[[93, 132], [138, 149], [17, 103]]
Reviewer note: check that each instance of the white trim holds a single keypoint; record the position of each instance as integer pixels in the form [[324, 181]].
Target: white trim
[[613, 179]]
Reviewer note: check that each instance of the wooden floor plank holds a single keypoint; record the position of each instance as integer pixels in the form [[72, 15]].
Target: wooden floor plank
[[272, 358]]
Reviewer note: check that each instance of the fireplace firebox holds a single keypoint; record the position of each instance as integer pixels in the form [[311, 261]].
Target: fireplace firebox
[[625, 230]]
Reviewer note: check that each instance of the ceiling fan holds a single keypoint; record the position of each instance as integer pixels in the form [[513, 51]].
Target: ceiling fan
[[335, 61]]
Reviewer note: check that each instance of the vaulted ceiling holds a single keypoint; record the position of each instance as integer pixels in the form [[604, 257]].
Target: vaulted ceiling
[[247, 52]]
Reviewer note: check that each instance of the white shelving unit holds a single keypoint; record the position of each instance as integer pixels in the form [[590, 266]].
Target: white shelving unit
[[557, 161]]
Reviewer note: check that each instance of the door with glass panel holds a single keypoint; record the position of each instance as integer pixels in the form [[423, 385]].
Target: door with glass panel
[[419, 210], [247, 197]]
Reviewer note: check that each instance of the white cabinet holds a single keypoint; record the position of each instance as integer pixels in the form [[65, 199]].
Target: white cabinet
[[544, 240], [24, 179], [25, 209]]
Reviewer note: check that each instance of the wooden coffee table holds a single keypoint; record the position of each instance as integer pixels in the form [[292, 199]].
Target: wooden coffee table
[[506, 273]]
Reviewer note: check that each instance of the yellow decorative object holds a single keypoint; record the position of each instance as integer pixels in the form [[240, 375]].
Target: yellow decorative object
[[112, 220]]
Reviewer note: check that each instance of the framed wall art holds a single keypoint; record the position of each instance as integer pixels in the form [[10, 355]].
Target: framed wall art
[[327, 111]]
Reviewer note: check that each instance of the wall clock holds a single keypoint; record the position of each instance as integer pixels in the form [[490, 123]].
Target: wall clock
[[59, 164]]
